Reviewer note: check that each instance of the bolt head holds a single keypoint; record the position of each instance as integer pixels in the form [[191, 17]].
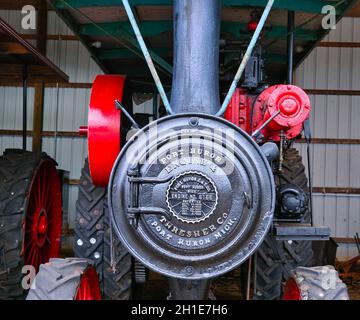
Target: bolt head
[[194, 122], [189, 270]]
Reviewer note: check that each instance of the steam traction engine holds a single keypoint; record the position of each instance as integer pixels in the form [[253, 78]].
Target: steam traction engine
[[192, 196]]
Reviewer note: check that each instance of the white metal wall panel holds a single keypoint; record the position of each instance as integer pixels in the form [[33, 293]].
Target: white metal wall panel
[[71, 108], [14, 18], [11, 115], [335, 117]]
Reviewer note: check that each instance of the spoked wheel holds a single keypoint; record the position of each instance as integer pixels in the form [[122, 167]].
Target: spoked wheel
[[89, 287], [43, 218], [66, 279], [30, 216]]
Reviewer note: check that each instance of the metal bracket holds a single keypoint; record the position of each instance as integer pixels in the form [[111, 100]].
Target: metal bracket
[[301, 232], [135, 210]]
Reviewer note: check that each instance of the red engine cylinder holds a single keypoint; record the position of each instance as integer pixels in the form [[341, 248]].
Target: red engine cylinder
[[250, 111], [294, 106]]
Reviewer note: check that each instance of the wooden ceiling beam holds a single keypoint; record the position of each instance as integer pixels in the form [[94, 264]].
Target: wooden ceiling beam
[[12, 48], [14, 72], [19, 4], [312, 6]]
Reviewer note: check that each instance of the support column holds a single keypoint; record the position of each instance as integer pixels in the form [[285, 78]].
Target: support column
[[38, 116]]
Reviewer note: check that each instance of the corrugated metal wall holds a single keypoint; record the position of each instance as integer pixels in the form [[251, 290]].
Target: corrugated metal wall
[[332, 117], [75, 61], [335, 165]]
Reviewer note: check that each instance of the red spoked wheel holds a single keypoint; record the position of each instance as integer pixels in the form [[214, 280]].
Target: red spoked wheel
[[291, 290], [89, 287], [43, 221], [30, 216], [316, 283], [66, 279]]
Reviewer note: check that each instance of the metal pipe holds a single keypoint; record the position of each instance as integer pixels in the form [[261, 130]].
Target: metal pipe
[[147, 56], [119, 106], [290, 46], [258, 131], [196, 56], [56, 119], [155, 104], [24, 124], [248, 282], [246, 58]]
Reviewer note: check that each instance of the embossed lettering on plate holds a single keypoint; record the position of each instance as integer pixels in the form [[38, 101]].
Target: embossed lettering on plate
[[192, 197]]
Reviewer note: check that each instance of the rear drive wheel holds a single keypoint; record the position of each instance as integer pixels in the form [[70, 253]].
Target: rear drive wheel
[[277, 259], [93, 238], [30, 216], [66, 279]]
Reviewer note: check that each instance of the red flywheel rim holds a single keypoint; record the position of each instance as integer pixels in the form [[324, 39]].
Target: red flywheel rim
[[104, 122], [43, 216], [89, 286]]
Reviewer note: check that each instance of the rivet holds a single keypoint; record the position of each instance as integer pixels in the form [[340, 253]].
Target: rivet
[[81, 220], [79, 242], [97, 255], [189, 270], [92, 240], [98, 226]]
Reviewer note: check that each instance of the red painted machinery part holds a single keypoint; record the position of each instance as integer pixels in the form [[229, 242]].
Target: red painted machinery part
[[89, 286], [43, 218], [294, 105], [104, 126], [252, 25], [291, 290], [238, 110]]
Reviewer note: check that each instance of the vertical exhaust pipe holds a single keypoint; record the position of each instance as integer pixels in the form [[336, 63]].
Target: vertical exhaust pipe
[[195, 85]]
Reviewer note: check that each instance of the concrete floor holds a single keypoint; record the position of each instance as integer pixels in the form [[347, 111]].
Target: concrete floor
[[228, 287], [352, 280]]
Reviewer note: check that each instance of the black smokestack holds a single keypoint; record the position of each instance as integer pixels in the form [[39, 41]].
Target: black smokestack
[[196, 56]]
